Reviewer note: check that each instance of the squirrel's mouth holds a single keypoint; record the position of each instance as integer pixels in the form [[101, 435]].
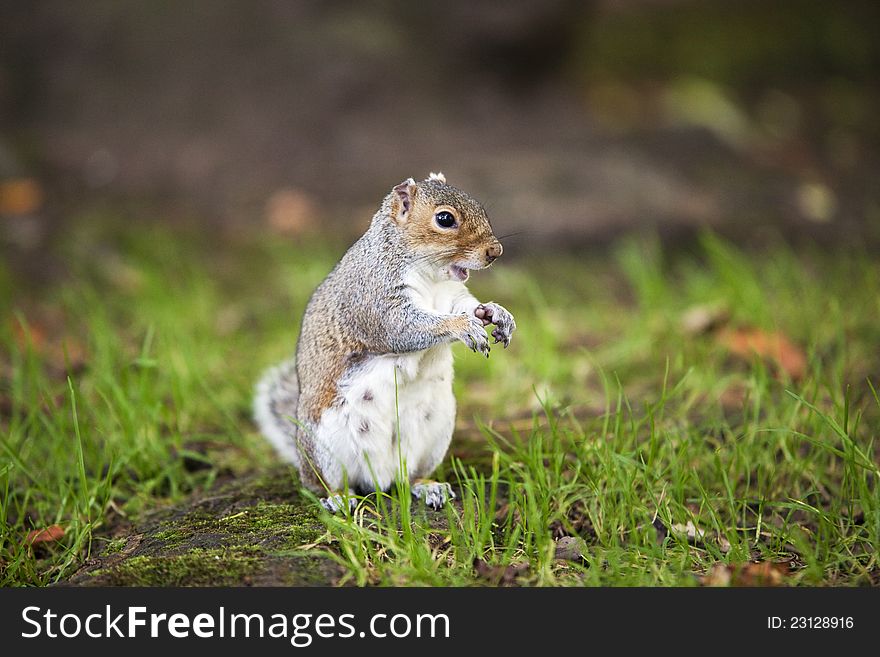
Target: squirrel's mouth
[[459, 272]]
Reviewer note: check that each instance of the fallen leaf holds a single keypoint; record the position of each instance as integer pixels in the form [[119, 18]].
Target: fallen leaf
[[34, 335], [718, 575], [291, 212], [20, 196], [763, 573], [769, 345], [48, 535]]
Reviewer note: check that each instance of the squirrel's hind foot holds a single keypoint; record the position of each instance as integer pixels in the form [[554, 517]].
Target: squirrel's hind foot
[[435, 493], [336, 503]]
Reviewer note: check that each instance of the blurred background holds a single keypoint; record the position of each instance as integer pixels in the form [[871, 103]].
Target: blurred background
[[574, 120]]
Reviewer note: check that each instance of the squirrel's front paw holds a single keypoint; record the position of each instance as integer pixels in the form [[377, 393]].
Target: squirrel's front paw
[[493, 313], [474, 336]]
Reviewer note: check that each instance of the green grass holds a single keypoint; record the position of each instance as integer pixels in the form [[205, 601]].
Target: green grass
[[603, 420]]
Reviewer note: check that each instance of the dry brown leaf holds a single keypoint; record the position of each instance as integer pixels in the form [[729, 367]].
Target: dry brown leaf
[[718, 575], [47, 535], [764, 573], [34, 335], [769, 345], [20, 196], [291, 212]]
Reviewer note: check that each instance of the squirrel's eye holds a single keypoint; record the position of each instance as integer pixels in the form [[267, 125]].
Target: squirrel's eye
[[444, 219]]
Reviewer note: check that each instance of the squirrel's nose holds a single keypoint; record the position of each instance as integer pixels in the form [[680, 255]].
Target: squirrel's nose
[[494, 251]]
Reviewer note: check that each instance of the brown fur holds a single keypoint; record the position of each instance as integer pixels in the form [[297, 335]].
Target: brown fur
[[470, 241]]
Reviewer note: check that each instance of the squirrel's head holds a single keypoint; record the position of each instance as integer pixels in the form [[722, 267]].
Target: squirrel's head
[[446, 228]]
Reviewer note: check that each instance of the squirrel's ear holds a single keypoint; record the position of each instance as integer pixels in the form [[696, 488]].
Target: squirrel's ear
[[402, 202]]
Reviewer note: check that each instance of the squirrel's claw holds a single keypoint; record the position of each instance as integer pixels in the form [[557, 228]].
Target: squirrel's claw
[[475, 337], [499, 337]]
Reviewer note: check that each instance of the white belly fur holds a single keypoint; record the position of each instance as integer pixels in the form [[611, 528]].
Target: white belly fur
[[361, 433], [359, 438]]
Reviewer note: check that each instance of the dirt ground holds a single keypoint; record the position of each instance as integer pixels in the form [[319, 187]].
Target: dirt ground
[[252, 531]]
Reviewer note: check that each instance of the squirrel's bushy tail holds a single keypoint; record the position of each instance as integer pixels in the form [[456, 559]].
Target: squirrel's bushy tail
[[274, 407]]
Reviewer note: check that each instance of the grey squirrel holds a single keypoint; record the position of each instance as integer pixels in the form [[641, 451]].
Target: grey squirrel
[[369, 391]]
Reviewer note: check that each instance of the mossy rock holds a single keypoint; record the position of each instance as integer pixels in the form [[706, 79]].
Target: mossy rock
[[250, 531]]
